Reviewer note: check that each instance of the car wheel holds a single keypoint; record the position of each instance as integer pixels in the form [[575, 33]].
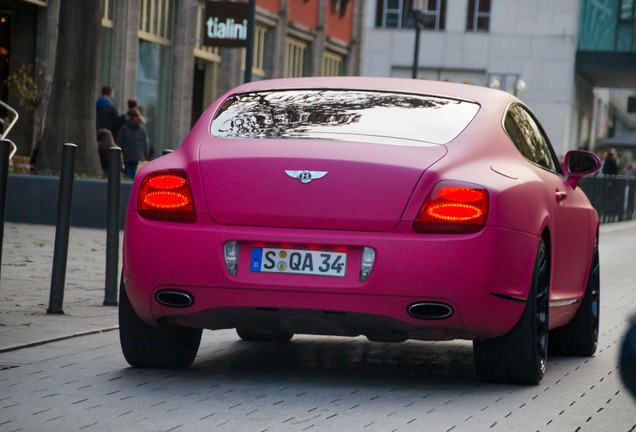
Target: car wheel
[[519, 356], [580, 336], [145, 346], [249, 336]]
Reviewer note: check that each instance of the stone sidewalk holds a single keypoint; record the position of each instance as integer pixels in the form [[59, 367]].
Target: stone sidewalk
[[25, 284]]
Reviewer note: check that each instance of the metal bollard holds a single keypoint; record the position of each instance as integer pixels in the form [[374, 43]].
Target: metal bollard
[[112, 226], [5, 151], [62, 229]]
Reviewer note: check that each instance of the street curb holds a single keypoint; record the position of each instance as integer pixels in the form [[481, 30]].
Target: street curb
[[613, 227], [57, 339]]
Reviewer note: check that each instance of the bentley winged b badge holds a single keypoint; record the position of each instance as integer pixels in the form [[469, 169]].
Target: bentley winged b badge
[[305, 176]]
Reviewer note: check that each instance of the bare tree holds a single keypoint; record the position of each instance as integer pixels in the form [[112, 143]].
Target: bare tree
[[71, 113]]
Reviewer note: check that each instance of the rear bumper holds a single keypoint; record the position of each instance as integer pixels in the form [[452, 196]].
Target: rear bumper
[[461, 271]]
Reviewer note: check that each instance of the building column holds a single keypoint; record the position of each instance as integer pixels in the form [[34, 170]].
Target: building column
[[180, 108], [320, 40], [280, 40], [354, 60], [125, 50]]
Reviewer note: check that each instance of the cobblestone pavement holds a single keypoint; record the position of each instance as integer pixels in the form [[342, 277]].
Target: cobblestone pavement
[[311, 384], [25, 285]]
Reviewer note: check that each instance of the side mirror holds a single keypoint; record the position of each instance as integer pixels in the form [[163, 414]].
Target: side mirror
[[579, 163]]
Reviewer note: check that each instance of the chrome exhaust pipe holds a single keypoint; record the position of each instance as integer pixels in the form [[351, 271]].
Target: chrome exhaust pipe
[[430, 310], [175, 298]]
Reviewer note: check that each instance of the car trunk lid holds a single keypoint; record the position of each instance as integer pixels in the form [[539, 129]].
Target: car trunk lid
[[362, 186]]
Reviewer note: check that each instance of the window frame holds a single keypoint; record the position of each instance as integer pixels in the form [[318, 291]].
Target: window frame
[[434, 18], [156, 21], [332, 64], [296, 57], [437, 13], [475, 13]]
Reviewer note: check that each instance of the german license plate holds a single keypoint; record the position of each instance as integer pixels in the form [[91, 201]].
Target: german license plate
[[298, 261]]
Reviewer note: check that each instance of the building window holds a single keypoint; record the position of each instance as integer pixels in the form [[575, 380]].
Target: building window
[[399, 14], [332, 64], [259, 63], [478, 15], [155, 22], [392, 13], [153, 68], [295, 58], [259, 54], [108, 7], [200, 49], [339, 6], [626, 10], [206, 70], [434, 15]]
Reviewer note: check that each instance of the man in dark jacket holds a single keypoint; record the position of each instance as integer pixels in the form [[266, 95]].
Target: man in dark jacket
[[106, 110], [134, 143]]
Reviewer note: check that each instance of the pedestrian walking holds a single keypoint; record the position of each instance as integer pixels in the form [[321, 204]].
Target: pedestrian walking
[[120, 120], [610, 166], [134, 143], [106, 114]]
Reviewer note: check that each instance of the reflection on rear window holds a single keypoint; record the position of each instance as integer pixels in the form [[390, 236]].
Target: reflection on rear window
[[345, 115]]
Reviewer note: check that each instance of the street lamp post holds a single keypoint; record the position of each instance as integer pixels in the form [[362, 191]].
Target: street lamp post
[[419, 6]]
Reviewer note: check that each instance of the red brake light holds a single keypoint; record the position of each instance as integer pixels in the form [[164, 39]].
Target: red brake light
[[166, 196], [453, 207], [166, 181], [166, 200]]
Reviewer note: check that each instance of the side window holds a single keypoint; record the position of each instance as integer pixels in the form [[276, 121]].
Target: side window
[[517, 137], [529, 139]]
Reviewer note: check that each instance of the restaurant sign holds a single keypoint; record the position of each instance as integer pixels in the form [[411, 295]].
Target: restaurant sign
[[225, 24]]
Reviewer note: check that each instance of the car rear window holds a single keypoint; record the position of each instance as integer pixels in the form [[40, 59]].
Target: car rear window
[[345, 115]]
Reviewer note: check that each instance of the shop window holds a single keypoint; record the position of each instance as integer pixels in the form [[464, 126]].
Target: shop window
[[207, 65], [153, 68], [201, 50]]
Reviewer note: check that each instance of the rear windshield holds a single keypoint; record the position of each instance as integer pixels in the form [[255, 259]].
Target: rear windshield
[[344, 115]]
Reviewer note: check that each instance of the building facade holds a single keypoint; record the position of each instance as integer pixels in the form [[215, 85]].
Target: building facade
[[560, 57], [525, 47], [155, 51]]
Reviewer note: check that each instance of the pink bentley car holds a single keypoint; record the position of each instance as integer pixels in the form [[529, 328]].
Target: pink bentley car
[[394, 209]]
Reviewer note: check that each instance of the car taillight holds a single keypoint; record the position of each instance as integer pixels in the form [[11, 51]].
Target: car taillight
[[453, 207], [166, 196]]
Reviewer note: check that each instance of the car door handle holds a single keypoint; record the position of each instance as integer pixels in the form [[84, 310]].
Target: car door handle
[[560, 196]]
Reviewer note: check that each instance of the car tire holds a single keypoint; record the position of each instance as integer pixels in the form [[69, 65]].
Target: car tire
[[580, 336], [627, 358], [146, 346], [519, 356], [264, 337]]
